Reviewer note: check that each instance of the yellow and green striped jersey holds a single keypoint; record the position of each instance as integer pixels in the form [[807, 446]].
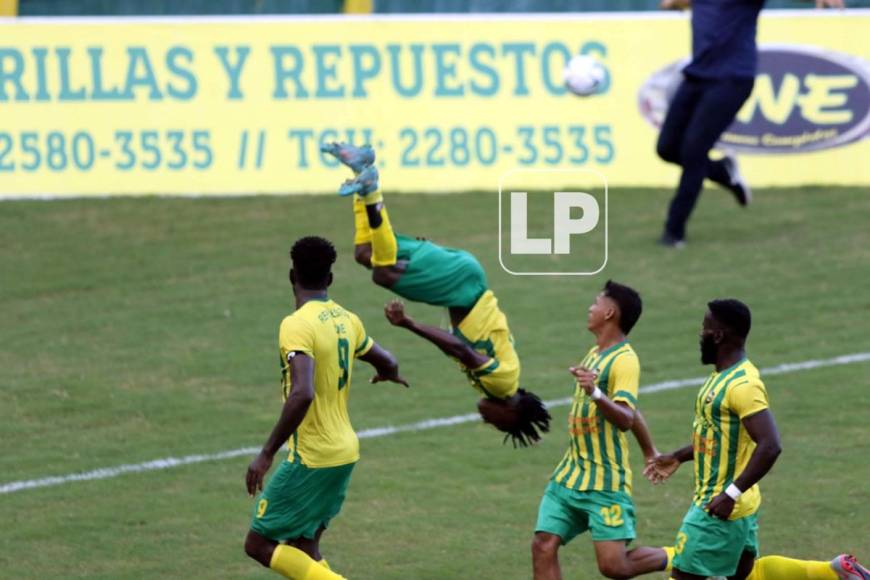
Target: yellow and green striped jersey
[[332, 336], [722, 447], [597, 456]]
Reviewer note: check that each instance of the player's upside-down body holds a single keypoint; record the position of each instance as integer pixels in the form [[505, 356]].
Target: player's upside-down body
[[422, 271]]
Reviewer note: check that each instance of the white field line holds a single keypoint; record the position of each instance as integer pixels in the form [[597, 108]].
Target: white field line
[[170, 462]]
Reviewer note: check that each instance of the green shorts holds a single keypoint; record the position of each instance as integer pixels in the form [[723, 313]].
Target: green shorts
[[437, 275], [708, 546], [298, 500], [567, 513]]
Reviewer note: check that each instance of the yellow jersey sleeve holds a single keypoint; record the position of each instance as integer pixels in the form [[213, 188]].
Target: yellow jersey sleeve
[[624, 379], [748, 397], [364, 342], [490, 365], [296, 335]]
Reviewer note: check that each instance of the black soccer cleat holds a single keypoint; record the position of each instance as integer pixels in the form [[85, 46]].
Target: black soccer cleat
[[739, 187], [669, 241]]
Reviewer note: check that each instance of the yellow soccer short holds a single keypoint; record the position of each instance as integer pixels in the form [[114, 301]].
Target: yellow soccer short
[[494, 379]]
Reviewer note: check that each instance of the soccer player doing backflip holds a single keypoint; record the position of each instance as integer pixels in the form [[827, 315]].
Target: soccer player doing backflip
[[422, 271]]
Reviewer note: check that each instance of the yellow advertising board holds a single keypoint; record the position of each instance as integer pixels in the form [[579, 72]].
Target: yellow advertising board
[[241, 105]]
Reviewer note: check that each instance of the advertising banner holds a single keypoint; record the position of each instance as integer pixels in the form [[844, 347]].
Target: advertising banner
[[451, 103]]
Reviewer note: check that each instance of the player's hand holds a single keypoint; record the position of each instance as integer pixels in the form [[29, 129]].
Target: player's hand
[[394, 378], [647, 459], [257, 472], [395, 313], [585, 378], [661, 468], [830, 4], [721, 506], [675, 4]]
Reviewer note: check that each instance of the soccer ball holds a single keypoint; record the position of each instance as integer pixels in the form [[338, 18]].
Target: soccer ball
[[584, 75]]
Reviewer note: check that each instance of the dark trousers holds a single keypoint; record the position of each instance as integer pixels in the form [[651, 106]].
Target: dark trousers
[[699, 113]]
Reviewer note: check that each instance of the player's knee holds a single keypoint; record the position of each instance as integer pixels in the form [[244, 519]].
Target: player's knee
[[667, 151], [545, 546], [258, 549], [612, 568], [362, 253]]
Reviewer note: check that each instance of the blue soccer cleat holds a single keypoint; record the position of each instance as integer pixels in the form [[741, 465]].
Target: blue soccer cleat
[[848, 568], [363, 184], [357, 158]]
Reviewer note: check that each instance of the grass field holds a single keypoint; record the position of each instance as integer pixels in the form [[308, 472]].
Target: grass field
[[145, 328]]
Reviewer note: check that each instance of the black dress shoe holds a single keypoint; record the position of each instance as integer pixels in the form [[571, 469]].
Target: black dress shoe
[[739, 187], [670, 241]]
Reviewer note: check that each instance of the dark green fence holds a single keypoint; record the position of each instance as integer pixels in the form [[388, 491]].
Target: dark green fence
[[173, 7], [164, 7], [399, 6]]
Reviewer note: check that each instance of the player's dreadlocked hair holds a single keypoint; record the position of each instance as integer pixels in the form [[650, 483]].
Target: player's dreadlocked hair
[[312, 258], [533, 417]]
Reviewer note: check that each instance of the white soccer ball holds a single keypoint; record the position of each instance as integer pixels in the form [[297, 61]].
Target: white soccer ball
[[584, 75]]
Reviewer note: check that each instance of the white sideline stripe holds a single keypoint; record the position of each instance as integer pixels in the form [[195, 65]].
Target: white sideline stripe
[[170, 462]]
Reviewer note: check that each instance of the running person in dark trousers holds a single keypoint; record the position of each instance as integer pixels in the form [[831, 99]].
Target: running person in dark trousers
[[716, 83]]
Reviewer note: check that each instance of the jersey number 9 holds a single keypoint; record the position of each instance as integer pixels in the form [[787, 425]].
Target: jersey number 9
[[343, 362]]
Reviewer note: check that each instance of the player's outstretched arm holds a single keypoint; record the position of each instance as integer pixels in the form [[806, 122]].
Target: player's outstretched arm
[[449, 344], [294, 409], [664, 466], [762, 429], [618, 413], [644, 438], [386, 365]]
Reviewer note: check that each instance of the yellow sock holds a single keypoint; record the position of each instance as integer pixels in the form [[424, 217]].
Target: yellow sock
[[374, 197], [319, 571], [293, 563], [779, 568], [384, 247], [362, 231], [669, 550]]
